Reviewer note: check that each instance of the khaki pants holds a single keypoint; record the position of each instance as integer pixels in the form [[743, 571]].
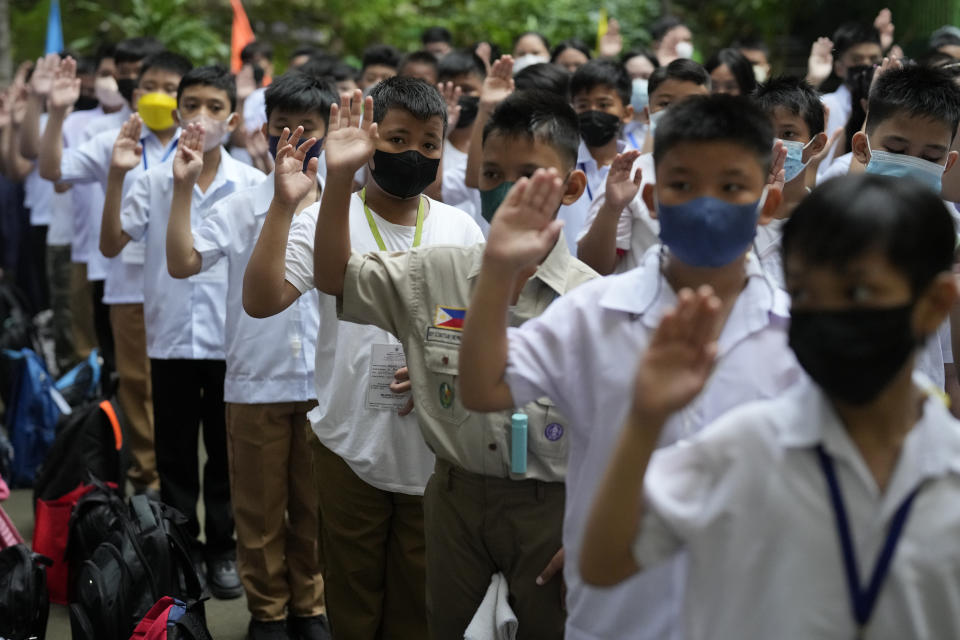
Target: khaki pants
[[275, 508], [373, 555], [477, 526], [81, 304], [134, 393]]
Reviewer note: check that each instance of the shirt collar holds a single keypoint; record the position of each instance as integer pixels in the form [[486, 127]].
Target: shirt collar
[[264, 194], [552, 271], [585, 159]]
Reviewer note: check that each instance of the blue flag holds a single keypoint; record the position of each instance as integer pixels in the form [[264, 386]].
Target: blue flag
[[54, 29]]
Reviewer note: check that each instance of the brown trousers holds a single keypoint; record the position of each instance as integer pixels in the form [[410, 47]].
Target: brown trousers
[[477, 526], [81, 304], [134, 392], [373, 553], [275, 508]]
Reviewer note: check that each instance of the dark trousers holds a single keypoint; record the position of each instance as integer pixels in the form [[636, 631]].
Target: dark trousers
[[32, 268], [101, 325], [187, 393]]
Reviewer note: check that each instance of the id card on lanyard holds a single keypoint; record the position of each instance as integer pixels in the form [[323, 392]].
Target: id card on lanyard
[[166, 154]]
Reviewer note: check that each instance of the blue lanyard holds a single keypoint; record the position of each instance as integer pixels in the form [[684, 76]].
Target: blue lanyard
[[170, 149], [862, 601], [633, 141], [583, 167]]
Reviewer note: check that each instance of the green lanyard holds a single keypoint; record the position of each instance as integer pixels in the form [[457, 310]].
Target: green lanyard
[[376, 231]]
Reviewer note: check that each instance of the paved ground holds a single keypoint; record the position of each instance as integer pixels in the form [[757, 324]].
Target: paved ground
[[227, 620]]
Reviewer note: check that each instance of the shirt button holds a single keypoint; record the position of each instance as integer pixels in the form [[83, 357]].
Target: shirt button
[[492, 446], [446, 360]]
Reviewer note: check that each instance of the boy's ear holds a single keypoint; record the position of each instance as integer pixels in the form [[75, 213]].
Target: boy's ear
[[770, 205], [135, 98], [233, 122], [176, 116], [265, 130], [576, 185], [649, 200], [627, 114], [646, 114], [819, 142], [859, 147], [951, 160], [934, 305]]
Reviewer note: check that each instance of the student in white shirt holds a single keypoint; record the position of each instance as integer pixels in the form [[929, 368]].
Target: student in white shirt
[[269, 386], [574, 353], [184, 320], [829, 511]]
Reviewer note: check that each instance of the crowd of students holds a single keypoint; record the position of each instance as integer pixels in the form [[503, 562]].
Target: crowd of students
[[658, 349]]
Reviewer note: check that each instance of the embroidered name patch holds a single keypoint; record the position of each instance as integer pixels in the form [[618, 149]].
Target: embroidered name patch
[[444, 336]]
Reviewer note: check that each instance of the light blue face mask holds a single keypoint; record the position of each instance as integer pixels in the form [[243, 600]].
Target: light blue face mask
[[794, 165], [900, 165], [639, 98]]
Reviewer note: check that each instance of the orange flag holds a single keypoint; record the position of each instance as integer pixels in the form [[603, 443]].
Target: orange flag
[[241, 36]]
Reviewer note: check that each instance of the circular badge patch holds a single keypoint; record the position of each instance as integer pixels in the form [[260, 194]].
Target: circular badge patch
[[446, 395], [553, 432]]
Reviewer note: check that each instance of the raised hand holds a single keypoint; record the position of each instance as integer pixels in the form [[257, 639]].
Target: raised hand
[[887, 64], [820, 62], [259, 149], [65, 88], [351, 137], [188, 161], [778, 157], [484, 51], [451, 95], [621, 189], [498, 84], [883, 23], [19, 96], [127, 150], [523, 228], [42, 79], [677, 363], [246, 84], [6, 112], [611, 44], [291, 183]]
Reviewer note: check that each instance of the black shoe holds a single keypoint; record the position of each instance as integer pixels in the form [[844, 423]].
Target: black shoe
[[311, 628], [223, 580], [274, 630]]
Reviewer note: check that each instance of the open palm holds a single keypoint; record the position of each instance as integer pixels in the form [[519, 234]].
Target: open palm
[[621, 188], [290, 183], [65, 88], [523, 228], [351, 137], [498, 84], [41, 81], [188, 162], [127, 150]]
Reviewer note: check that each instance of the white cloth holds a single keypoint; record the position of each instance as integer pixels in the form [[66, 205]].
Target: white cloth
[[90, 162], [635, 134], [494, 619], [840, 107], [637, 230], [268, 359], [184, 319], [747, 499], [454, 187], [839, 167], [768, 248], [60, 231], [596, 175], [599, 331], [383, 449], [255, 110]]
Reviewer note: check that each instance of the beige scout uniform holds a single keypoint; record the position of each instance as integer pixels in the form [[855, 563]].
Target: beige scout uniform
[[479, 517]]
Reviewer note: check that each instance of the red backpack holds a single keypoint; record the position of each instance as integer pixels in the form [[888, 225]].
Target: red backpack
[[171, 619]]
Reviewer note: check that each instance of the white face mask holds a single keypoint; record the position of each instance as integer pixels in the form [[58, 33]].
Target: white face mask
[[521, 63], [214, 130], [655, 118], [760, 72], [107, 92], [684, 49]]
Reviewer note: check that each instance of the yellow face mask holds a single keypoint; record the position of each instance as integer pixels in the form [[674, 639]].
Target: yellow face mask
[[156, 110]]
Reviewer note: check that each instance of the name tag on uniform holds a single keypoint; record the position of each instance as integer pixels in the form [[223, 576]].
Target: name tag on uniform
[[385, 359], [134, 253]]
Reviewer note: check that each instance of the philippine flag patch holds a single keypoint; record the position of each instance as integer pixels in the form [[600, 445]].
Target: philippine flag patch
[[449, 317]]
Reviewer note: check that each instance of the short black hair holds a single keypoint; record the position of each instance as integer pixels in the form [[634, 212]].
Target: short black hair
[[166, 61], [299, 92], [256, 49], [602, 73], [663, 25], [543, 38], [739, 66], [342, 71], [136, 49], [796, 96], [751, 43], [544, 76], [421, 57], [935, 58], [682, 70], [850, 34], [846, 217], [436, 34], [460, 62], [640, 52], [306, 50], [216, 76], [571, 43], [382, 54], [715, 118], [418, 98], [104, 51], [916, 91], [318, 67], [86, 66], [538, 115]]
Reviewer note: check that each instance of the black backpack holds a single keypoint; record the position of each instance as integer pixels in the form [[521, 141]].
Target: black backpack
[[94, 518], [24, 603]]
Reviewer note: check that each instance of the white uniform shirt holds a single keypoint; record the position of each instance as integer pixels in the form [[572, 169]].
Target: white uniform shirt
[[383, 449], [255, 110], [635, 134], [454, 187], [769, 249], [637, 230], [582, 353], [78, 230], [748, 500], [268, 359], [60, 230], [90, 162], [840, 107], [184, 319], [596, 175]]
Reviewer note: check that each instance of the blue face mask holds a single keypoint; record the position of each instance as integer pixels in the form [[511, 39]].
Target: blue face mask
[[314, 152], [900, 165], [708, 232], [639, 98], [794, 165]]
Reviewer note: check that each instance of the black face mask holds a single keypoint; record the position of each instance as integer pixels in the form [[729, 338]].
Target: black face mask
[[85, 103], [469, 106], [126, 87], [598, 127], [404, 175], [855, 353]]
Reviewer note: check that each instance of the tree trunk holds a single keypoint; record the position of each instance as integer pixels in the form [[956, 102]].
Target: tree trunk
[[6, 63]]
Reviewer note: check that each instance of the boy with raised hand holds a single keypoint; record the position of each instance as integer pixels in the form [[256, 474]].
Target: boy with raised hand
[[713, 159], [92, 161], [482, 514], [839, 492], [372, 463], [185, 319], [619, 227], [268, 387]]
